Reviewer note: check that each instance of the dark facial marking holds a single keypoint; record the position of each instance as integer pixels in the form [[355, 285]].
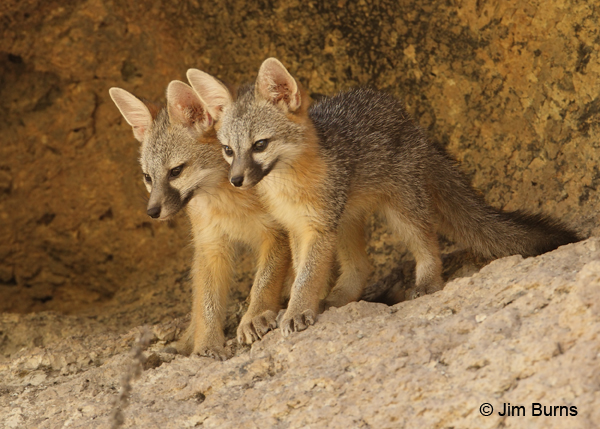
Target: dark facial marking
[[187, 198], [172, 196], [172, 201], [270, 167]]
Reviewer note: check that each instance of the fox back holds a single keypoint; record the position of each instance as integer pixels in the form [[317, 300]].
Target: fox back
[[375, 157], [372, 146]]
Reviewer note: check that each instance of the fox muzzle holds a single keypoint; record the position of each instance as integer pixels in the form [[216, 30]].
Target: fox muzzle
[[165, 201], [237, 181], [245, 173], [154, 212]]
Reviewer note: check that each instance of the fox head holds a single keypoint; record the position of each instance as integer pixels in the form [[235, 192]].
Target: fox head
[[180, 155], [263, 130]]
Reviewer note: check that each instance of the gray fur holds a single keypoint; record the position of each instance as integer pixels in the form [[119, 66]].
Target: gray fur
[[182, 137], [371, 147], [389, 154], [167, 146], [266, 121]]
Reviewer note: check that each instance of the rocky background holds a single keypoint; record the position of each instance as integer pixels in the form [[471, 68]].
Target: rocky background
[[511, 88]]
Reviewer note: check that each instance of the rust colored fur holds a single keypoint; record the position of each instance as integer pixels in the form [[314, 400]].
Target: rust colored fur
[[322, 171], [184, 169]]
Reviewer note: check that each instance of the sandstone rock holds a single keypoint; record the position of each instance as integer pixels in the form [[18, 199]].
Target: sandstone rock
[[510, 88], [520, 331]]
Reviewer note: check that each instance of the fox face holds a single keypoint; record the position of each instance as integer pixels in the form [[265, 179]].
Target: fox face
[[180, 156], [257, 138], [260, 132], [176, 166]]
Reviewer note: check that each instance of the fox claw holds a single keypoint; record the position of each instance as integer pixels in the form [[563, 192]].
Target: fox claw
[[256, 328], [295, 323], [209, 346], [423, 290], [217, 353]]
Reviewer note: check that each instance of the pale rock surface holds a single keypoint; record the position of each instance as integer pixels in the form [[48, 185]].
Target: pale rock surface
[[519, 331], [512, 90]]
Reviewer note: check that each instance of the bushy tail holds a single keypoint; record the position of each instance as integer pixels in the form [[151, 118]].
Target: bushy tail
[[467, 219]]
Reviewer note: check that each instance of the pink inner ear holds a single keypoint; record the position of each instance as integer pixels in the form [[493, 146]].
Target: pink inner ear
[[283, 93], [185, 107], [276, 85], [193, 113], [138, 132]]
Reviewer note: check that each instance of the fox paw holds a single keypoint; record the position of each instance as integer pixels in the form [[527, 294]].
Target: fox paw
[[420, 291], [416, 293], [209, 347], [215, 352], [335, 300], [256, 328], [295, 323]]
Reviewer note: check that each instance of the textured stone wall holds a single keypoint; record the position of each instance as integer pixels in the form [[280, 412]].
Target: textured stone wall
[[511, 88]]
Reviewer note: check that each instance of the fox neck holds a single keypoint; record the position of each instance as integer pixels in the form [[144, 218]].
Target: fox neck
[[216, 189], [223, 201], [295, 184]]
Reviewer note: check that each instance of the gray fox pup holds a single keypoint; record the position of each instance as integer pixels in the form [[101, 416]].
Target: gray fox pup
[[322, 170], [184, 168]]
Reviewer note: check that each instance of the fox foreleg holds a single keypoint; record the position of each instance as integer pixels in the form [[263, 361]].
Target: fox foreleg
[[211, 277], [265, 295], [315, 259]]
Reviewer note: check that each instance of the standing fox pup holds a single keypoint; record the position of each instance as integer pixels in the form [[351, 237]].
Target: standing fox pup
[[323, 170], [183, 167]]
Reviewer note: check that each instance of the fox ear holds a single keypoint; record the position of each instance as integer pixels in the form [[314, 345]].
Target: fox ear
[[135, 112], [275, 84], [211, 91], [186, 108]]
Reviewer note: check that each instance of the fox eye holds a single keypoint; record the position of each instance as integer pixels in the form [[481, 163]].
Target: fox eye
[[147, 178], [176, 171], [260, 145], [228, 151]]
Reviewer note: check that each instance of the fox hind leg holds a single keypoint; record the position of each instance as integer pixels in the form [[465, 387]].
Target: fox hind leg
[[355, 267], [421, 239]]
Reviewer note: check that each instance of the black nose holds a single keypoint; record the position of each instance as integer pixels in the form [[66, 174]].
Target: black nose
[[154, 212], [237, 181]]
